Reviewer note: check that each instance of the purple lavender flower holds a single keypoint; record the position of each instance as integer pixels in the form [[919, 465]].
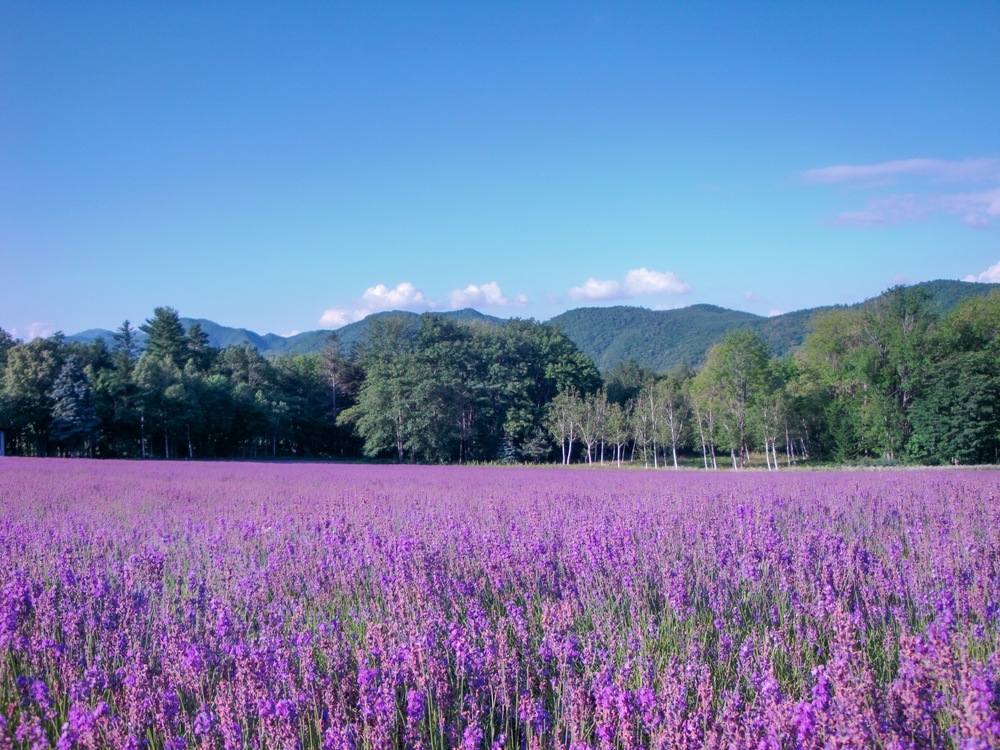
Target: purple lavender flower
[[416, 606]]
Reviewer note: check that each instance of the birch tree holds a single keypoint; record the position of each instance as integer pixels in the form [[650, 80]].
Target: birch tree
[[563, 416], [734, 374], [673, 412], [618, 429]]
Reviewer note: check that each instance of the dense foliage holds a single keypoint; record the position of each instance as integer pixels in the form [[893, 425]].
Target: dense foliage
[[284, 606], [664, 339], [418, 388], [894, 380]]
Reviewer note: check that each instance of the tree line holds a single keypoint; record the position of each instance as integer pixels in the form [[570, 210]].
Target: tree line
[[443, 391], [891, 381]]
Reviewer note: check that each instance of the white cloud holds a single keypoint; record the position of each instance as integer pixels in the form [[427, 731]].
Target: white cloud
[[883, 212], [883, 173], [775, 313], [592, 289], [378, 298], [335, 317], [638, 282], [486, 295], [977, 208], [36, 330], [406, 296], [990, 276], [642, 281]]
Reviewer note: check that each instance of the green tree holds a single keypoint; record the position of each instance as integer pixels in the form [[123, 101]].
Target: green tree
[[618, 429], [386, 404], [972, 326], [161, 393], [563, 415], [957, 415], [895, 329], [674, 410], [125, 350], [198, 349], [251, 378], [871, 362], [734, 375], [299, 407], [74, 418], [215, 426], [116, 395], [642, 425], [626, 379], [333, 362], [831, 381], [957, 418], [7, 342], [536, 448], [704, 397], [166, 340], [592, 422], [527, 364], [449, 387], [770, 409], [25, 396]]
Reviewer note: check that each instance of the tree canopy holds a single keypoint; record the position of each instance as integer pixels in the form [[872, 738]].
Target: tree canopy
[[895, 380]]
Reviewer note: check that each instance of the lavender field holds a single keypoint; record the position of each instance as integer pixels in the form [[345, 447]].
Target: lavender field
[[285, 606]]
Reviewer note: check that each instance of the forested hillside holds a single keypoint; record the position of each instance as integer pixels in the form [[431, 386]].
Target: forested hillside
[[272, 345], [660, 339], [899, 378], [663, 339]]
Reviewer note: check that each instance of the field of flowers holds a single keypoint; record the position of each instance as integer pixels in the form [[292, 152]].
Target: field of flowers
[[177, 606]]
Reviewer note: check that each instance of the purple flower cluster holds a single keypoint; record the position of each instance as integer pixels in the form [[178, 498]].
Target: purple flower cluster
[[200, 606]]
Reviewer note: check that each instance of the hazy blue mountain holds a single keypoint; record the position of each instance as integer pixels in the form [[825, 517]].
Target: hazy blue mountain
[[659, 339], [92, 334], [308, 342], [223, 336]]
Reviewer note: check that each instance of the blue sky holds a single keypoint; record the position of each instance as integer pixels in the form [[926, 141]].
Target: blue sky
[[289, 166]]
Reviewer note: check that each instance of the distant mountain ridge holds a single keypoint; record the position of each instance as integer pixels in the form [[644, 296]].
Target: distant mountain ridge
[[660, 339], [274, 345]]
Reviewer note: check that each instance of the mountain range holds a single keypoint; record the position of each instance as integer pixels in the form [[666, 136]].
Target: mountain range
[[659, 339]]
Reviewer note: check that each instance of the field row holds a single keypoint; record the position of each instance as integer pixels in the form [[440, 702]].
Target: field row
[[284, 606]]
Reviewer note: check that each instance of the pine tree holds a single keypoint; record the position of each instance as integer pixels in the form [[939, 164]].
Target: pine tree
[[537, 447], [74, 418], [508, 452], [199, 349], [167, 340], [126, 349]]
